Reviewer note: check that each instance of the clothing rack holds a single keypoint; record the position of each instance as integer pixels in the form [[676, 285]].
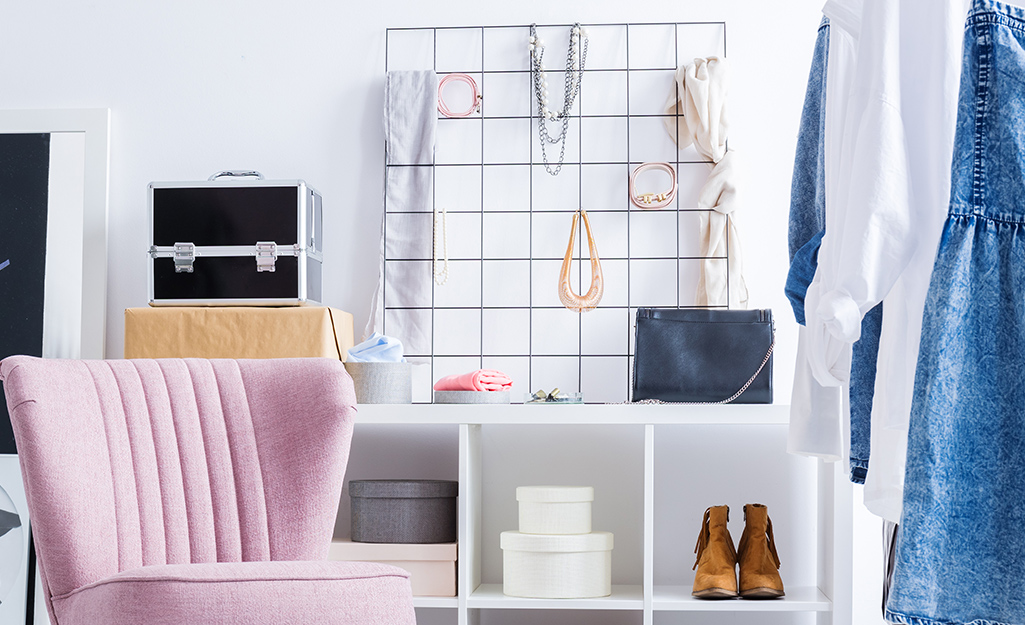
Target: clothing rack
[[622, 56]]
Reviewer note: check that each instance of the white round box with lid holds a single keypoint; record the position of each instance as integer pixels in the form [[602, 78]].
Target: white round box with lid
[[555, 509], [569, 566]]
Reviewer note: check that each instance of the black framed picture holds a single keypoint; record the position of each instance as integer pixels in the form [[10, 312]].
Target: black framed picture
[[53, 244]]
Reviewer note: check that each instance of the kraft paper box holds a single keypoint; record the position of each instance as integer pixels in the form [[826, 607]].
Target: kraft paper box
[[234, 332]]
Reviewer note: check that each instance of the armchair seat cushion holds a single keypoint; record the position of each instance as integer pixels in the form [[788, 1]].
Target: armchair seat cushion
[[251, 593]]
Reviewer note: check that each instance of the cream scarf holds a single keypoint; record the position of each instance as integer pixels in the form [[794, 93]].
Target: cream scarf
[[700, 100]]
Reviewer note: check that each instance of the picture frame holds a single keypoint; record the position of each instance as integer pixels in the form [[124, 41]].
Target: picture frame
[[70, 273]]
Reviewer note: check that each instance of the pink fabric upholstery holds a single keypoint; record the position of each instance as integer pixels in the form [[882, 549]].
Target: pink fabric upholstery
[[159, 463], [247, 593]]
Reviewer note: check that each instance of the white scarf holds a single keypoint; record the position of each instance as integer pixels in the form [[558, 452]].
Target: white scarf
[[700, 100]]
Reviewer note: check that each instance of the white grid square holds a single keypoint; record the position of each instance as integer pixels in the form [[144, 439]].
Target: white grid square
[[507, 95], [458, 141], [652, 46], [649, 91], [552, 149], [603, 331], [554, 331], [506, 332], [410, 49], [555, 193], [699, 41], [463, 287], [554, 372], [507, 188], [690, 178], [604, 139], [458, 188], [690, 233], [505, 49], [650, 140], [460, 50], [507, 235], [503, 141], [616, 281], [610, 234], [604, 187], [606, 48], [653, 234], [690, 272], [456, 333], [506, 283], [603, 93], [549, 234], [463, 235], [653, 282], [604, 379]]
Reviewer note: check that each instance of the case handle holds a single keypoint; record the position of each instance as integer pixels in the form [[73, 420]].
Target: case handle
[[237, 173]]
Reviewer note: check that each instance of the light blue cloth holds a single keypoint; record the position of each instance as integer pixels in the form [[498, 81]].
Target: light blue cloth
[[960, 547], [377, 348]]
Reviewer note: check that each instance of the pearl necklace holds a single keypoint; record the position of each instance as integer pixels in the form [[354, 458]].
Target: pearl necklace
[[440, 265], [575, 59]]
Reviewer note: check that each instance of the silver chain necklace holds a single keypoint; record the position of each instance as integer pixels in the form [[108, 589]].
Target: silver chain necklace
[[576, 56]]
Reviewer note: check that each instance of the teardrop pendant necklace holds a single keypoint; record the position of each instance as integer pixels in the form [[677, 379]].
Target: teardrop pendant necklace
[[576, 56], [588, 301]]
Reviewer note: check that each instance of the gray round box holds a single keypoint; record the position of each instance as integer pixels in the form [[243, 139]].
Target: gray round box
[[403, 511], [382, 382]]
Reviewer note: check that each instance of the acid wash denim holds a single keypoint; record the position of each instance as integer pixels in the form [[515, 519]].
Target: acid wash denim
[[961, 544], [807, 225]]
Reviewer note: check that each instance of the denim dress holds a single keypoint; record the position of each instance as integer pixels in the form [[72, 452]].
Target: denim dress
[[961, 545]]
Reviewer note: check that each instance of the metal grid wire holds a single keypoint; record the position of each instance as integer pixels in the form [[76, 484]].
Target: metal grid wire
[[527, 360]]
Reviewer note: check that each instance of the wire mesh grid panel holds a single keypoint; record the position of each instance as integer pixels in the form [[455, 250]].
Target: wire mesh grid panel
[[507, 219]]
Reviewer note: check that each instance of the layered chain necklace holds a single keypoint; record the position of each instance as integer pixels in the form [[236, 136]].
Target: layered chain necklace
[[575, 58]]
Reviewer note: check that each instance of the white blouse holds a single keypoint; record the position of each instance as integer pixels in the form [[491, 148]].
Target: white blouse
[[889, 145]]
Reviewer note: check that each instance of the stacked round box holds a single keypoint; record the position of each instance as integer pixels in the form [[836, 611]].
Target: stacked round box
[[555, 555]]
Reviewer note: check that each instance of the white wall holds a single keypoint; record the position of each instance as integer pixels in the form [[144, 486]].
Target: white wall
[[295, 90]]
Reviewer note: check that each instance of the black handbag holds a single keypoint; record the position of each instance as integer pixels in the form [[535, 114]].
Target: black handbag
[[703, 356]]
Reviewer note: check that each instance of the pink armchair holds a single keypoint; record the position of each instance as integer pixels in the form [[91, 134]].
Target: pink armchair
[[192, 491]]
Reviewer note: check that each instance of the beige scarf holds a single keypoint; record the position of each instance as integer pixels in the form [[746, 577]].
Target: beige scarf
[[700, 100]]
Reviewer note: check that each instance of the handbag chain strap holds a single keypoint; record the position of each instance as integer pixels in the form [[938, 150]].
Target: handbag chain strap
[[768, 354]]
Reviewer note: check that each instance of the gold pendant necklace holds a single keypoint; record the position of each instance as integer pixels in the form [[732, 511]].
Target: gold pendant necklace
[[569, 299]]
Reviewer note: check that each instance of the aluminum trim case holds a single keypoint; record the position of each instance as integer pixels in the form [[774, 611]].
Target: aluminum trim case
[[235, 242]]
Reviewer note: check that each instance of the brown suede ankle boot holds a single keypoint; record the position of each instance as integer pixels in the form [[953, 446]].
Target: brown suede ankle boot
[[716, 563], [759, 563]]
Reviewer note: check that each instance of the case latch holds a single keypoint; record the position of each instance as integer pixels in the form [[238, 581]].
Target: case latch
[[266, 255], [184, 257]]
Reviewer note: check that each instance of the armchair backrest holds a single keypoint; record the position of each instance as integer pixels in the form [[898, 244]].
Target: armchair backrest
[[129, 463]]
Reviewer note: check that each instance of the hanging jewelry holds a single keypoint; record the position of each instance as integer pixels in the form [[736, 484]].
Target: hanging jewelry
[[440, 225], [575, 59], [476, 99], [569, 299], [653, 200]]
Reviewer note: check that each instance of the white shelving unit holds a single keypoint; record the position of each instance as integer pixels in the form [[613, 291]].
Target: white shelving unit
[[663, 450]]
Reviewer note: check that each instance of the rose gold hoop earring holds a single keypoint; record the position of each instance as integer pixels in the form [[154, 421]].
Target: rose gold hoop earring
[[569, 299]]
